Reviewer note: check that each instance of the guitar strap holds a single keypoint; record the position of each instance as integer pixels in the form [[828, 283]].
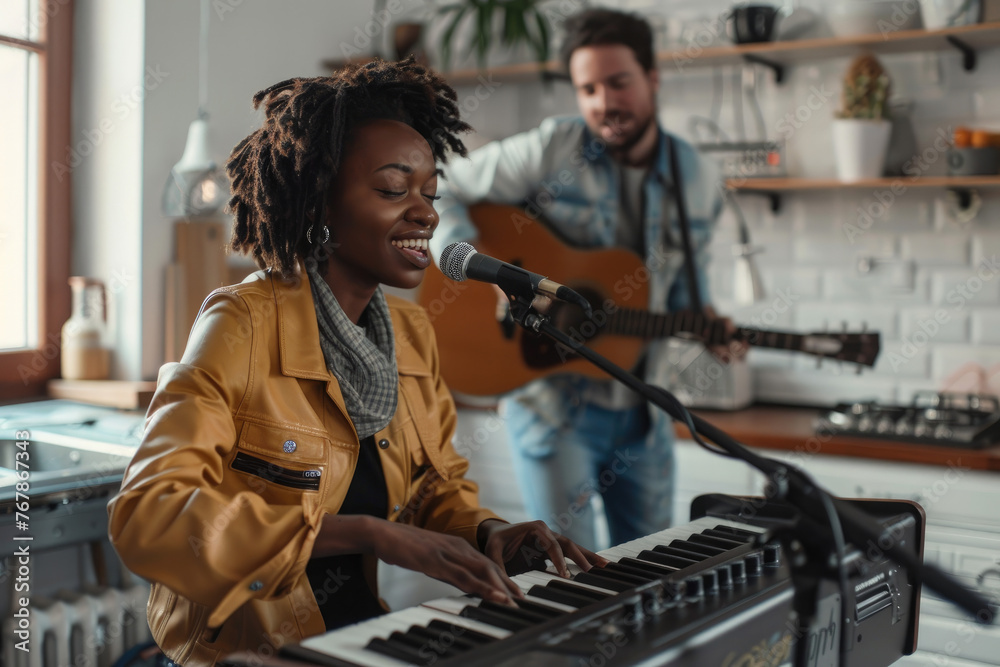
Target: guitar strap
[[676, 187]]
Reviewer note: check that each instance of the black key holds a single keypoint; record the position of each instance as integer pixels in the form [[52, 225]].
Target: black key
[[555, 595], [720, 542], [628, 570], [653, 568], [701, 548], [742, 537], [445, 639], [400, 651], [447, 629], [517, 612], [692, 551], [494, 618], [603, 582], [539, 608], [666, 559], [422, 644], [569, 587], [627, 575], [745, 535]]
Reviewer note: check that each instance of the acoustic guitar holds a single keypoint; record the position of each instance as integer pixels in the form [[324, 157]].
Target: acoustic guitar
[[481, 356]]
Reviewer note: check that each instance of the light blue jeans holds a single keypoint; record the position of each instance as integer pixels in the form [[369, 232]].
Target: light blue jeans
[[595, 451]]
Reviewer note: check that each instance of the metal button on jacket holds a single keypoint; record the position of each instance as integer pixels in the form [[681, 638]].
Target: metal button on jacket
[[383, 443], [289, 446]]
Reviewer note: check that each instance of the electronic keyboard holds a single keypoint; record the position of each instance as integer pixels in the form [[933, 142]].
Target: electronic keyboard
[[716, 591]]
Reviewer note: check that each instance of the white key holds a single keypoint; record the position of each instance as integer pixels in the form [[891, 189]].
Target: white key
[[348, 643]]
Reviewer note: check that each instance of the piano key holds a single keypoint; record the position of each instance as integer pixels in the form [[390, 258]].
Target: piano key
[[445, 639], [669, 560], [610, 583], [449, 630], [496, 618], [691, 549], [547, 609], [618, 574], [563, 597], [724, 543], [403, 652], [545, 578], [350, 642], [741, 536], [423, 645]]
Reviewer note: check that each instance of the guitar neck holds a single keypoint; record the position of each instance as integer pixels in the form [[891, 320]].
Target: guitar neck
[[644, 324]]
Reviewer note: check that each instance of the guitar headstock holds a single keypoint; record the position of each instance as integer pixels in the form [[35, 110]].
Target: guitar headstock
[[857, 348]]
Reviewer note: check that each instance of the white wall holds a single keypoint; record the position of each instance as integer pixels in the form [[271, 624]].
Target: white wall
[[148, 53], [105, 163]]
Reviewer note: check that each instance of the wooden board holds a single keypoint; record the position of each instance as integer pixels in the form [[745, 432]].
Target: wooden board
[[124, 394], [200, 266]]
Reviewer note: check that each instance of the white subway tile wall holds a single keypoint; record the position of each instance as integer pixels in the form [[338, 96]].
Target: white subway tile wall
[[904, 260]]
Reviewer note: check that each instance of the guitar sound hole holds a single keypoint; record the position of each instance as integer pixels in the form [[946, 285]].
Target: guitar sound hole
[[542, 352]]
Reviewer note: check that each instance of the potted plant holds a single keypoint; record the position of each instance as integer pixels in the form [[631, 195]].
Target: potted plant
[[514, 22], [862, 128]]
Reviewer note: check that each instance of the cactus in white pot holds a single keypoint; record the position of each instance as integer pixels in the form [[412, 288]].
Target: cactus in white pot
[[862, 128]]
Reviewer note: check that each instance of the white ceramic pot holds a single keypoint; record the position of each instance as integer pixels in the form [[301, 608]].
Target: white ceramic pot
[[940, 14], [860, 146]]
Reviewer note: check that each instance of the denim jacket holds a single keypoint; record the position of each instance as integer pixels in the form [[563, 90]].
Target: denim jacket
[[561, 173]]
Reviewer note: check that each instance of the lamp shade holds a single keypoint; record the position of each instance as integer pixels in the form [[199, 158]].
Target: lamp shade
[[195, 186]]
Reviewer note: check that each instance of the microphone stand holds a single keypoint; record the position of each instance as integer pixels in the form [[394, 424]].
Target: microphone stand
[[786, 482]]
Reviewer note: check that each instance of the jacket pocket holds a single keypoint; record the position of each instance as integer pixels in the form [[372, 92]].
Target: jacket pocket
[[280, 464], [307, 480]]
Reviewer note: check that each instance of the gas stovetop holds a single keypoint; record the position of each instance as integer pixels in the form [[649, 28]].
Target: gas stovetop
[[950, 419]]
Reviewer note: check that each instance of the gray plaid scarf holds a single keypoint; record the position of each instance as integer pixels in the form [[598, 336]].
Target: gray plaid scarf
[[362, 358]]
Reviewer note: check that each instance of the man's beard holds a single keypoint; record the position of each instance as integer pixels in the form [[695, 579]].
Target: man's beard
[[629, 141]]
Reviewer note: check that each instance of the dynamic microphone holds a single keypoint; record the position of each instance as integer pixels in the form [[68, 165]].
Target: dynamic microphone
[[460, 261]]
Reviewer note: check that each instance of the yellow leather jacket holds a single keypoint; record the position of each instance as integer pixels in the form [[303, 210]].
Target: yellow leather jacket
[[247, 446]]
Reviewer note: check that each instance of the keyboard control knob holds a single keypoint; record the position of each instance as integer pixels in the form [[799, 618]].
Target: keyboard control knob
[[653, 601], [739, 570], [694, 588], [725, 576], [753, 562], [772, 555]]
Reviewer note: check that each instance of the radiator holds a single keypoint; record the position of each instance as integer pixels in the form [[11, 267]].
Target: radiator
[[90, 627]]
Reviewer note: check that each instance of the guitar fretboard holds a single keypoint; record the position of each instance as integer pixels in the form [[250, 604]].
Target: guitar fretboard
[[644, 324]]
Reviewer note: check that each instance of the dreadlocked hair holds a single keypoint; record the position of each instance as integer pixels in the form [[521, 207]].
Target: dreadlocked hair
[[281, 172]]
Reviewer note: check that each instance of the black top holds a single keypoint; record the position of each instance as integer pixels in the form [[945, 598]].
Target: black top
[[338, 582]]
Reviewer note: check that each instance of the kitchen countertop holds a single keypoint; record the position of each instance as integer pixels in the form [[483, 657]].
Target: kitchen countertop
[[791, 428]]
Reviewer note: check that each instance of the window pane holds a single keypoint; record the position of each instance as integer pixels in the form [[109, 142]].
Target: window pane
[[18, 197], [14, 19]]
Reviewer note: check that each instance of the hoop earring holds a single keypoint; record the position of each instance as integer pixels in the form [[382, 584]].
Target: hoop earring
[[326, 234]]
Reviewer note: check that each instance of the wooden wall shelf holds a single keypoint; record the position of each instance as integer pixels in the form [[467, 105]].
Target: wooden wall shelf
[[968, 40], [774, 187]]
